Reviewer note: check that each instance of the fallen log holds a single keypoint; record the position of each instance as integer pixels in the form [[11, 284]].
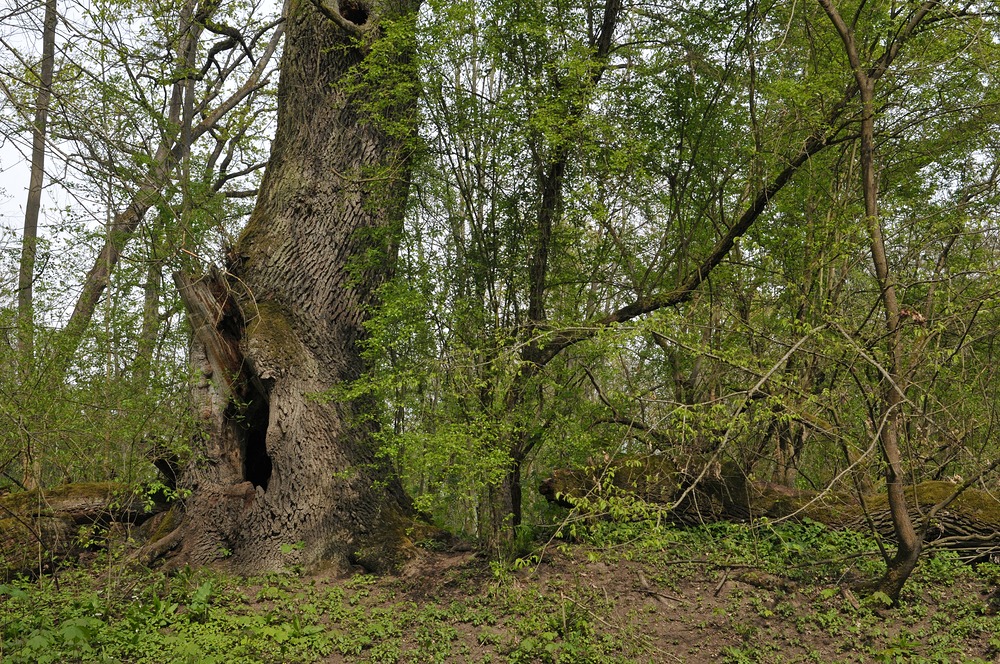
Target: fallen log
[[968, 524], [40, 528]]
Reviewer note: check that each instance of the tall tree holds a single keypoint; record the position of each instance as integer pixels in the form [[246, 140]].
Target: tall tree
[[178, 131], [29, 242], [124, 117], [867, 72], [285, 465]]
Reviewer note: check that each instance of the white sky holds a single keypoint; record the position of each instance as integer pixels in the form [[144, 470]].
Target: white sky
[[15, 150], [20, 31]]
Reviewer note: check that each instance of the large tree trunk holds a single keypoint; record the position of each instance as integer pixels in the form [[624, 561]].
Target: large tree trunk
[[290, 474]]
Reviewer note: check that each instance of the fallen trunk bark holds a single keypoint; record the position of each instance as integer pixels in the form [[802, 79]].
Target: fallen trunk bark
[[41, 528], [968, 524]]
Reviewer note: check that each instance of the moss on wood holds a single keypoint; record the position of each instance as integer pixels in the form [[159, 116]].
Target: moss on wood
[[394, 543], [76, 501], [654, 479], [270, 330]]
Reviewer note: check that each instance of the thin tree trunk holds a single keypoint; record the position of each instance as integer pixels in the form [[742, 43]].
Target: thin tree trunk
[[182, 106], [29, 243], [163, 164], [909, 544], [551, 178], [124, 224], [825, 135], [146, 351]]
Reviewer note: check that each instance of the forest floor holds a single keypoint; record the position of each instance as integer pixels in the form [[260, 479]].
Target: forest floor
[[627, 593]]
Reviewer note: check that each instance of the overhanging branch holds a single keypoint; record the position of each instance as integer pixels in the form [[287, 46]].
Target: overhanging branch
[[694, 279]]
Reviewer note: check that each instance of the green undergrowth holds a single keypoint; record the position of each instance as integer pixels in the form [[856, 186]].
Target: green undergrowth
[[633, 592], [794, 593], [806, 552], [204, 617]]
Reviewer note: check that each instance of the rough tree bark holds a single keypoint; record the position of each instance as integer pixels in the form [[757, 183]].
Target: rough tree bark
[[288, 475]]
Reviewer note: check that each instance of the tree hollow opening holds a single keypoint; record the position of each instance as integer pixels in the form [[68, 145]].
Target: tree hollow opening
[[354, 11], [256, 461]]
